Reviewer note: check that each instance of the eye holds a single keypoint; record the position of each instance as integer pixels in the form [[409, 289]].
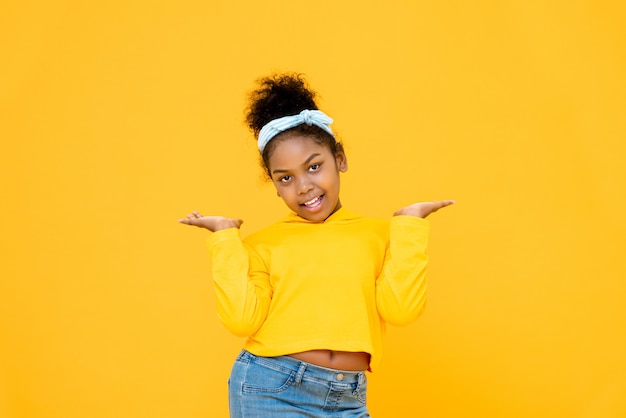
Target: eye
[[314, 167], [284, 179]]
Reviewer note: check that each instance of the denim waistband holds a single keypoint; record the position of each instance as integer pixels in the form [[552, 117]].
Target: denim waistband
[[304, 369]]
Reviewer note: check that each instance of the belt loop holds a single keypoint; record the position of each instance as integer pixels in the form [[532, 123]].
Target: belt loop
[[300, 373]]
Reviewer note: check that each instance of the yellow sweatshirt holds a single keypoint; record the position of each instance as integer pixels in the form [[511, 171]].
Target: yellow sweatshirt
[[299, 285]]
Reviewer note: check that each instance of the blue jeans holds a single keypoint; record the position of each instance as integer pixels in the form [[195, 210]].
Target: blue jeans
[[266, 387]]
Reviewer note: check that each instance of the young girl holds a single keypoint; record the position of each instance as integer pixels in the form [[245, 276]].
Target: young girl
[[312, 292]]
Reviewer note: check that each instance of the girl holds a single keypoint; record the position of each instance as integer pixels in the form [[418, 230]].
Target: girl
[[313, 291]]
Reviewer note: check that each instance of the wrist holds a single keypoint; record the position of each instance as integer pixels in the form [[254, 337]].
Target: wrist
[[406, 212], [225, 224]]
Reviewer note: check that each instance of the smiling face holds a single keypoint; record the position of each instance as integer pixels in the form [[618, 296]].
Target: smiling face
[[306, 176]]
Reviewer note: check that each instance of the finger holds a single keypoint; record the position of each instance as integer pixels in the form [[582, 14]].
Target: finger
[[197, 214], [190, 220], [442, 204]]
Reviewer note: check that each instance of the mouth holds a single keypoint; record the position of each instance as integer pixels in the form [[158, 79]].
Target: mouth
[[313, 203]]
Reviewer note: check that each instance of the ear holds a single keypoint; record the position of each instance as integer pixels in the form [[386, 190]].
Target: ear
[[341, 161]]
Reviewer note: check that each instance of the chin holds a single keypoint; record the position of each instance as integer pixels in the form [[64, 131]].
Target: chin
[[317, 217]]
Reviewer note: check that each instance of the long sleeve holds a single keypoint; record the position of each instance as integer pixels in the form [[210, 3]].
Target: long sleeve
[[241, 282], [401, 286]]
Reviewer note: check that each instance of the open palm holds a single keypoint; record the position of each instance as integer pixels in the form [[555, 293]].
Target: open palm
[[212, 223], [423, 209]]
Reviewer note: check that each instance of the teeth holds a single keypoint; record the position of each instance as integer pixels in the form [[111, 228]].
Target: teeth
[[310, 202]]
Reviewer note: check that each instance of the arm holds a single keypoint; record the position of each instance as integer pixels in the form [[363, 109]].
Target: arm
[[401, 287], [241, 281]]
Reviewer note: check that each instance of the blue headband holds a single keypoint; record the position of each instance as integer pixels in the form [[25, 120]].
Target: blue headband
[[276, 126]]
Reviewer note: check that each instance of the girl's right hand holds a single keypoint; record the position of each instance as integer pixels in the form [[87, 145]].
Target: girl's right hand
[[212, 223]]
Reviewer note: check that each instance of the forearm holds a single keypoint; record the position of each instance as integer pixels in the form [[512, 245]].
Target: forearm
[[401, 288], [242, 301]]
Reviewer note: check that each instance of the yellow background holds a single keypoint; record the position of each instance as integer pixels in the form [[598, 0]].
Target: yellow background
[[117, 118]]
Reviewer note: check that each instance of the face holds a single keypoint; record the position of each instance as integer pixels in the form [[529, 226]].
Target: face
[[306, 176]]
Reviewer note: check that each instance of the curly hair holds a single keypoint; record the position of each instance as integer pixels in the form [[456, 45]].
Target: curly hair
[[281, 95]]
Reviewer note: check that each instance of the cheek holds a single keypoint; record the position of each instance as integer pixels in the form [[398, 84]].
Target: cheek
[[332, 180], [279, 187], [283, 192]]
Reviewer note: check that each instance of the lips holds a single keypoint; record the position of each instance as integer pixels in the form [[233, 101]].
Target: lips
[[313, 203]]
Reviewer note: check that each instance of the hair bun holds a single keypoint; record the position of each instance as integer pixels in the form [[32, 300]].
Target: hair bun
[[278, 95]]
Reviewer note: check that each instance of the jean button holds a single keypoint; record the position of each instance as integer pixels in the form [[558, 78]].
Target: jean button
[[340, 376]]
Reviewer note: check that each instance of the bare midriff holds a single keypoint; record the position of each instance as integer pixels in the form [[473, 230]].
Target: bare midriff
[[340, 360]]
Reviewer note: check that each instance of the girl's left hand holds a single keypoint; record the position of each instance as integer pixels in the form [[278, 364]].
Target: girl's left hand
[[423, 209], [212, 223]]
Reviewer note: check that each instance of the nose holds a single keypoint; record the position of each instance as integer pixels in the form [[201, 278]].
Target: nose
[[304, 185]]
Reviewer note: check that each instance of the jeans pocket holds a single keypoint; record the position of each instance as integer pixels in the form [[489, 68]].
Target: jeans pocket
[[360, 392], [262, 379]]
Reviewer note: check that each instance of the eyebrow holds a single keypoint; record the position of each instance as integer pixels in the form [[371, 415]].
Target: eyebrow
[[308, 160]]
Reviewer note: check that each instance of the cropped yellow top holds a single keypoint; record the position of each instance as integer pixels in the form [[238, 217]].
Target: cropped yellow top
[[299, 285]]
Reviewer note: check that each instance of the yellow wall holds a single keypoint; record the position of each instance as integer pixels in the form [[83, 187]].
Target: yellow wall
[[117, 118]]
